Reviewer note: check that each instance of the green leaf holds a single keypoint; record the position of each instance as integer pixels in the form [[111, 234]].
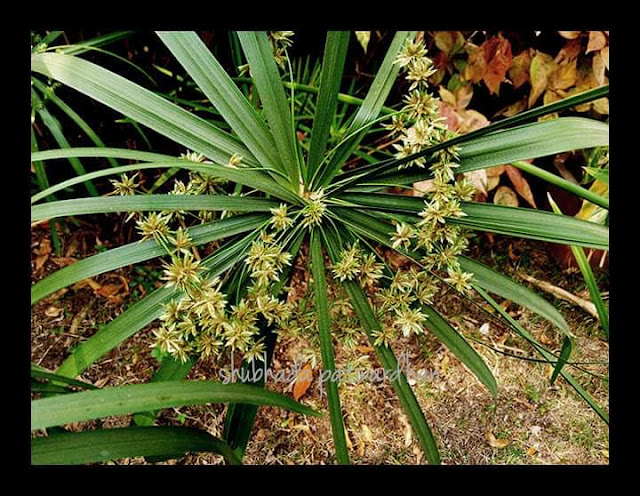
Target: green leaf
[[53, 125], [589, 278], [144, 312], [512, 221], [122, 400], [217, 85], [335, 52], [565, 353], [171, 369], [253, 177], [506, 287], [141, 105], [459, 346], [83, 206], [43, 374], [264, 71], [386, 356], [326, 346], [73, 115], [370, 108], [75, 448], [140, 251]]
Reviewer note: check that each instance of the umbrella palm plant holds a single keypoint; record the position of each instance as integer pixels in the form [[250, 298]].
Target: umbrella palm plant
[[283, 197]]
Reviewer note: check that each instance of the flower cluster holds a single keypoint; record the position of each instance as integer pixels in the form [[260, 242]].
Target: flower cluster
[[355, 265], [420, 127]]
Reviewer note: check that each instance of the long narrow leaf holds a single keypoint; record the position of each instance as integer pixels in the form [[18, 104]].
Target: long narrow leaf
[[335, 52], [75, 448], [264, 70], [326, 346], [83, 206], [222, 92], [141, 105], [121, 400]]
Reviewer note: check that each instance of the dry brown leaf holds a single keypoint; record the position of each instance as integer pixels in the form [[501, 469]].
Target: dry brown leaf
[[303, 381], [601, 106], [366, 433], [421, 188], [53, 311], [512, 256], [447, 96], [604, 53], [519, 70], [542, 67], [63, 261], [463, 96], [109, 290], [569, 35], [101, 382], [476, 64], [444, 364], [494, 171], [504, 195], [597, 41], [532, 451], [42, 253], [470, 120], [597, 64], [497, 53], [492, 182], [496, 443], [569, 52], [520, 184], [514, 108], [478, 178], [564, 77], [365, 349]]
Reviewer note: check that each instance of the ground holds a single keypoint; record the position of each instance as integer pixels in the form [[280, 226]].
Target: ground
[[530, 421]]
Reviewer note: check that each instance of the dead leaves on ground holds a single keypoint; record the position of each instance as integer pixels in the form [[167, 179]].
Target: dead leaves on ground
[[113, 292], [303, 381]]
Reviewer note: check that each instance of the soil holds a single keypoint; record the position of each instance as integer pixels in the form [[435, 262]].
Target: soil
[[530, 422]]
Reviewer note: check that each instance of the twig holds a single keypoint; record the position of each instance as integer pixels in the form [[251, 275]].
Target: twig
[[563, 294]]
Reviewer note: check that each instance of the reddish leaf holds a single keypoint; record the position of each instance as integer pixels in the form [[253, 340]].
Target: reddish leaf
[[497, 53], [569, 52], [303, 381], [520, 184]]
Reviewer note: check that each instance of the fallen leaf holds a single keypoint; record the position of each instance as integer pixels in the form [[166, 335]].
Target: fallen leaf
[[365, 349], [450, 115], [42, 253], [496, 443], [63, 261], [569, 35], [492, 182], [601, 106], [444, 364], [478, 178], [513, 109], [504, 195], [484, 329], [542, 67], [109, 290], [512, 256], [303, 381], [366, 433], [421, 188], [94, 284], [497, 53], [447, 96], [520, 184], [101, 382], [597, 41], [444, 40], [532, 451], [544, 339], [519, 70], [53, 311], [494, 171]]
